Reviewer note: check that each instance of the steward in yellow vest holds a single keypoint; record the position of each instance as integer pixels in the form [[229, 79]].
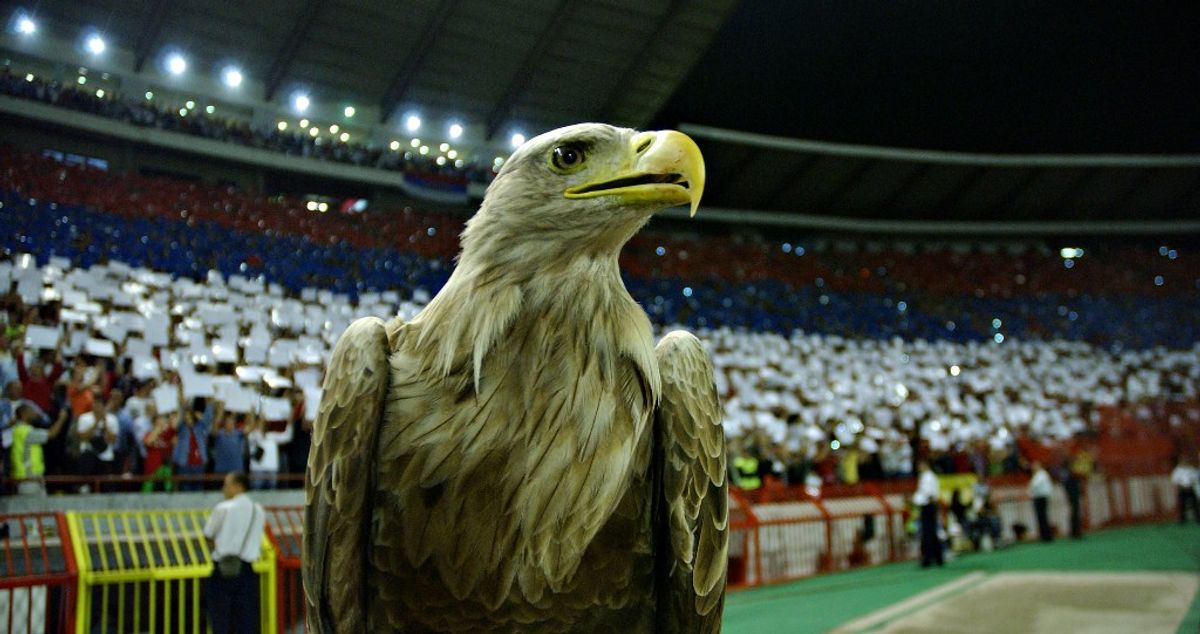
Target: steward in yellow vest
[[28, 463], [746, 468]]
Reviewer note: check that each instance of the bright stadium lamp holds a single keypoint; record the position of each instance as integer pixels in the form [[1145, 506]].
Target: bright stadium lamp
[[518, 139], [232, 76], [456, 130], [176, 64], [26, 25], [413, 123], [301, 102], [349, 112], [95, 44]]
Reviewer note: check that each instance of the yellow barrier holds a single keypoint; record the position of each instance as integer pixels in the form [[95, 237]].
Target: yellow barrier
[[142, 571]]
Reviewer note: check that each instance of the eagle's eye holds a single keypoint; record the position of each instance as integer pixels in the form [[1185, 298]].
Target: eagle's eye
[[566, 159]]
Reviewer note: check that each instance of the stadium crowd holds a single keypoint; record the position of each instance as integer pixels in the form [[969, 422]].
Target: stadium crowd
[[151, 113], [198, 319]]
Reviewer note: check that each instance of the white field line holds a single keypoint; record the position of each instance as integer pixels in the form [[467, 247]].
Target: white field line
[[933, 595]]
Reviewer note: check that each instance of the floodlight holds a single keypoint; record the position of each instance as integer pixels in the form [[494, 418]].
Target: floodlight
[[95, 44], [232, 76], [518, 139], [456, 130], [26, 25], [176, 64], [413, 123], [301, 102]]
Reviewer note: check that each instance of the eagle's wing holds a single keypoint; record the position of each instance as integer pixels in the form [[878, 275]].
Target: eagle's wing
[[341, 467], [691, 512]]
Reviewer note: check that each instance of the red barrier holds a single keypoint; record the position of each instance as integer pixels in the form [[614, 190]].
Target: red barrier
[[285, 528], [38, 577], [791, 534]]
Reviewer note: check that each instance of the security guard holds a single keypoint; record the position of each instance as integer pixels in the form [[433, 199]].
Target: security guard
[[28, 463]]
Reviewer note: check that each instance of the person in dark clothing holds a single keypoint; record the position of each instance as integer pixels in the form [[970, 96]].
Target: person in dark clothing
[[926, 497], [1073, 487]]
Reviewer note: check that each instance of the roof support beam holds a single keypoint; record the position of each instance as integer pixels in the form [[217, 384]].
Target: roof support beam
[[149, 35], [1010, 197], [903, 188], [1079, 181], [291, 44], [524, 75], [848, 184], [403, 79], [720, 180], [771, 199], [945, 206], [609, 107]]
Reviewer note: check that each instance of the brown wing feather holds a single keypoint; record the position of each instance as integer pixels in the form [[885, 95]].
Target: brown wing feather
[[338, 481], [692, 513]]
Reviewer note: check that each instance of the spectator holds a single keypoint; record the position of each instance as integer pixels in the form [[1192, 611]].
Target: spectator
[[229, 443], [159, 443], [1072, 485], [926, 498], [297, 450], [97, 431], [265, 453], [8, 363], [1185, 477], [36, 384], [140, 399], [28, 461], [191, 445], [1040, 487], [234, 532], [81, 389]]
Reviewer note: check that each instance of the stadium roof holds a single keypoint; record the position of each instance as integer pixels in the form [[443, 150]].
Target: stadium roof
[[766, 173], [488, 61]]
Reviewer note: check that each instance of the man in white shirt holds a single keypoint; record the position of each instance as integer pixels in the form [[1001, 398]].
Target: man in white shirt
[[234, 531], [97, 431], [1185, 477], [926, 498], [1040, 487]]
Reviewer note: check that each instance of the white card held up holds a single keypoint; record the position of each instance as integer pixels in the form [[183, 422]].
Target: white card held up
[[312, 403], [276, 382], [239, 400], [197, 384], [100, 348], [145, 368], [307, 378], [42, 337], [166, 399], [275, 409]]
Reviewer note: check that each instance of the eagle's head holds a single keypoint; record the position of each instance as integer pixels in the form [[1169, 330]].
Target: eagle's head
[[587, 187]]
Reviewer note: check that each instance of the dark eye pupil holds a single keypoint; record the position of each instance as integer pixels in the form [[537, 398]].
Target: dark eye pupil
[[566, 156]]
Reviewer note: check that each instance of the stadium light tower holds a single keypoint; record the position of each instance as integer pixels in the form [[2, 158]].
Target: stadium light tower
[[176, 64], [232, 76], [26, 25], [95, 44]]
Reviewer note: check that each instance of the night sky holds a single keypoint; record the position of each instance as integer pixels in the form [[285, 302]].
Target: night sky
[[1039, 77]]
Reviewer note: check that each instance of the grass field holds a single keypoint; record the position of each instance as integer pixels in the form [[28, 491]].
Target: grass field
[[1141, 579]]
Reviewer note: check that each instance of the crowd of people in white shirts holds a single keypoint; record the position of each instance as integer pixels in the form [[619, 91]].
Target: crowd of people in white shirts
[[181, 371]]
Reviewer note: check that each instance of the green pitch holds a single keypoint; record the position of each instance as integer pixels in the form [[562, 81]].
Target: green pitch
[[824, 603]]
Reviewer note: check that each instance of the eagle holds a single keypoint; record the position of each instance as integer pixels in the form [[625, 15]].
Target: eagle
[[521, 456]]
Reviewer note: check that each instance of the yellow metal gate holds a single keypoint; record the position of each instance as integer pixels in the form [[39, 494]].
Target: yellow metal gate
[[143, 571]]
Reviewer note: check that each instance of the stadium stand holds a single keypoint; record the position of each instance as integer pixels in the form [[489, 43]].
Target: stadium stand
[[981, 357], [177, 118]]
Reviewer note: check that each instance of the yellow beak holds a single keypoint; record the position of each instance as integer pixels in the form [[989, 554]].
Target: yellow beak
[[662, 167]]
